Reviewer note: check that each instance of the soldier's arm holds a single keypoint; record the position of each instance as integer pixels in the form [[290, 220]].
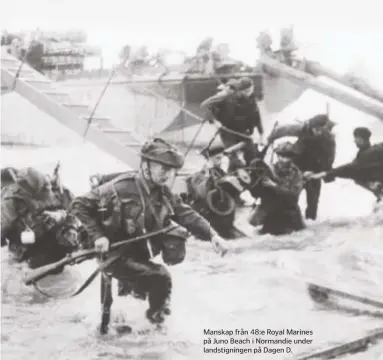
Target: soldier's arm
[[285, 130], [257, 120], [353, 170], [217, 98], [191, 220], [86, 209]]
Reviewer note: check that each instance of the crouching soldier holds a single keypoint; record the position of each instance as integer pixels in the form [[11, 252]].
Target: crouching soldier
[[34, 219], [314, 151], [137, 203], [279, 212]]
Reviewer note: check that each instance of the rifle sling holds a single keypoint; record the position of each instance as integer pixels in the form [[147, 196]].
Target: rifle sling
[[104, 265]]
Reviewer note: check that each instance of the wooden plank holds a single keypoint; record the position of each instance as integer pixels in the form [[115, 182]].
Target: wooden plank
[[359, 85], [357, 345], [117, 131], [318, 292], [359, 102]]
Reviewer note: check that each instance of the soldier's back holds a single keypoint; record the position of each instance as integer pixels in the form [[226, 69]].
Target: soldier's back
[[373, 154]]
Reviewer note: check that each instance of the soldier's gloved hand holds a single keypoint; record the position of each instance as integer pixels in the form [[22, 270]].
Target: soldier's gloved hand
[[220, 245], [102, 244]]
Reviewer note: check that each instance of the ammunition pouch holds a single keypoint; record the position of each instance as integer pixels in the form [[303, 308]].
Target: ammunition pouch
[[174, 246]]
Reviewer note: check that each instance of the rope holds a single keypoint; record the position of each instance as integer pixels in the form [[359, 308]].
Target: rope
[[90, 119], [23, 60]]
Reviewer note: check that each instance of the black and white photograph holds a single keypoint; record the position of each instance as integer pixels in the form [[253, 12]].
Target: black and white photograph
[[191, 180]]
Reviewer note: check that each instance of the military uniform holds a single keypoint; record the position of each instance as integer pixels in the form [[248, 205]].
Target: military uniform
[[315, 153], [128, 206], [367, 167], [239, 114], [22, 207], [279, 212], [8, 176]]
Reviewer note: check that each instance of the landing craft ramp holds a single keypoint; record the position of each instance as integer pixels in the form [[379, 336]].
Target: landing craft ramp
[[56, 102], [122, 144]]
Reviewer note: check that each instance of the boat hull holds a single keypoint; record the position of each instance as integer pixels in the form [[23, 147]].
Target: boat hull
[[148, 107]]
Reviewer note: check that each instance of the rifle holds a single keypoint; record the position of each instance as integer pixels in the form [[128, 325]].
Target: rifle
[[82, 255], [56, 180]]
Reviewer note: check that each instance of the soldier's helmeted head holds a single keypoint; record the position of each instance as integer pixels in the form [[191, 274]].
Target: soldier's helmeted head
[[160, 161], [362, 137], [285, 151], [231, 85], [214, 155], [34, 182], [319, 124], [245, 86]]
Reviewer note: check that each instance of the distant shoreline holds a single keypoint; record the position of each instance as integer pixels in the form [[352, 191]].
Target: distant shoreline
[[11, 144]]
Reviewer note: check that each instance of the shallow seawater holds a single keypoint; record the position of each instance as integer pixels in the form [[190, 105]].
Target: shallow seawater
[[261, 284]]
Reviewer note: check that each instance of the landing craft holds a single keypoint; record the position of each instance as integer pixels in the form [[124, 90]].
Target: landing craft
[[158, 99], [153, 98], [161, 93], [290, 75]]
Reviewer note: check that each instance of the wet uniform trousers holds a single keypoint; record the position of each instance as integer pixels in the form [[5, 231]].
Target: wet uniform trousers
[[144, 277], [313, 189], [241, 115], [250, 150], [134, 270]]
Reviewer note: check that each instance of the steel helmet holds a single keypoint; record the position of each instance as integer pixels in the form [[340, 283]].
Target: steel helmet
[[319, 121], [285, 149], [158, 150], [32, 180], [244, 83]]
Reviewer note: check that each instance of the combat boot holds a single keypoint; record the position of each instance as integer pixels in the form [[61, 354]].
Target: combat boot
[[158, 316]]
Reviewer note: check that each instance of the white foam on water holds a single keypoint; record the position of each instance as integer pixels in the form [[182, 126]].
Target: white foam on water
[[260, 284]]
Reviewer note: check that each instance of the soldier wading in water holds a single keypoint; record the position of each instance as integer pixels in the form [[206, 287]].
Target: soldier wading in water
[[133, 204]]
